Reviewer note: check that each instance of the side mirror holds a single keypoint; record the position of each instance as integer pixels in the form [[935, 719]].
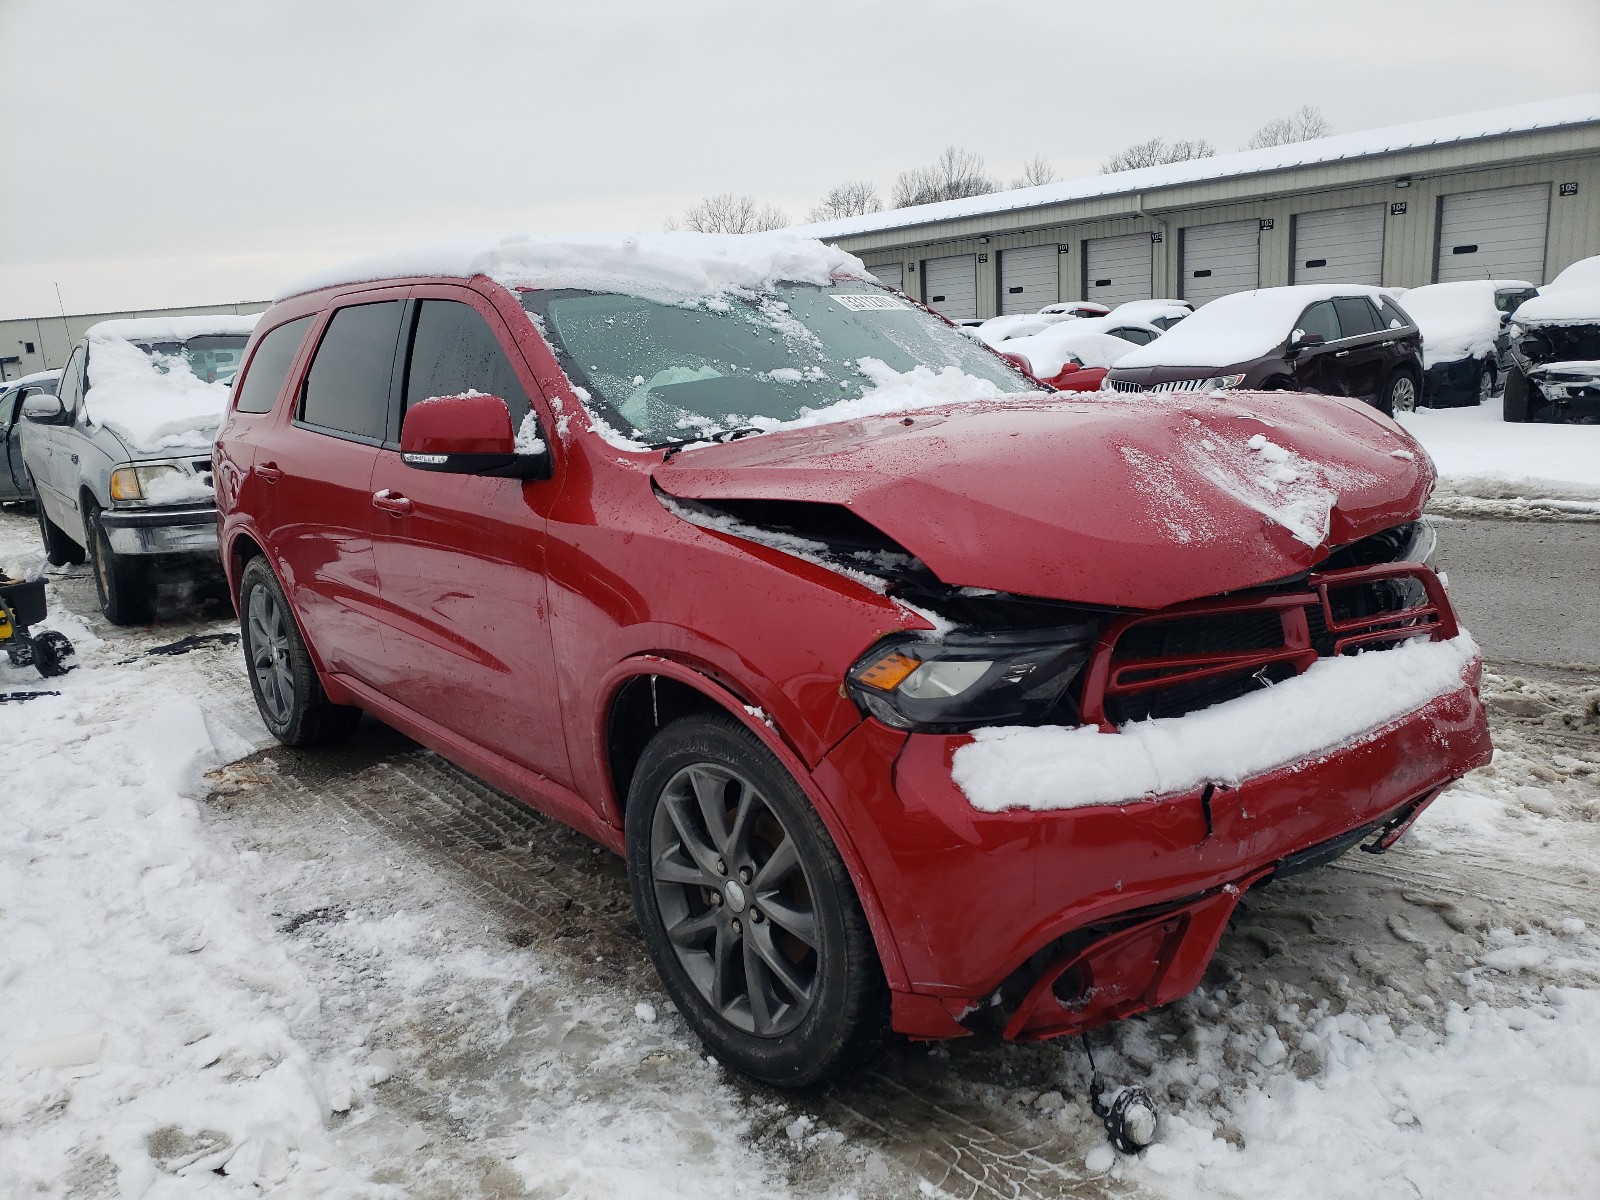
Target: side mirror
[[470, 435], [1505, 319], [44, 409], [1302, 339]]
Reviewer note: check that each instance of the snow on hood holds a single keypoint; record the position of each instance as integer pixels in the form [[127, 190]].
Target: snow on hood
[[149, 410], [1098, 501], [1335, 702], [668, 267], [1458, 320], [174, 329], [1047, 351], [1572, 297], [1238, 328]]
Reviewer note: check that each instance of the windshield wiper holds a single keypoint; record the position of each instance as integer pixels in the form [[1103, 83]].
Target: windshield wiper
[[725, 435]]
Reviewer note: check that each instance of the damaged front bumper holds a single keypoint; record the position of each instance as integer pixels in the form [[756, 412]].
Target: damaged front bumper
[[1082, 916], [1571, 388]]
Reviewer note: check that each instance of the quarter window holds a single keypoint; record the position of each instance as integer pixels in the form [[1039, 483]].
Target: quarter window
[[453, 351], [1356, 316], [258, 390], [1393, 318], [1321, 319], [347, 388]]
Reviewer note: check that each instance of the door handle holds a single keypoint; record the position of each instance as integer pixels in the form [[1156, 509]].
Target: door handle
[[74, 460], [268, 472], [1341, 354], [391, 503]]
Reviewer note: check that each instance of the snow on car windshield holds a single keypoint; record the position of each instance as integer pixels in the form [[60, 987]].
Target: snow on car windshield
[[797, 354], [167, 397]]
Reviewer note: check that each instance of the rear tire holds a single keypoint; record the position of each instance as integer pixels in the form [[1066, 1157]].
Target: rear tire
[[1486, 383], [59, 549], [1514, 398], [289, 696], [123, 583], [1399, 394], [769, 957]]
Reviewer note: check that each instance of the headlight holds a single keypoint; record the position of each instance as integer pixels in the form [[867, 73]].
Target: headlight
[[1219, 382], [967, 680], [134, 483]]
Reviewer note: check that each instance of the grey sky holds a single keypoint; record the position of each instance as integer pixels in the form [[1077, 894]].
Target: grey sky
[[195, 151]]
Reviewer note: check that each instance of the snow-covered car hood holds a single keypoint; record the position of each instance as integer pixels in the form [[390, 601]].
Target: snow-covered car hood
[[1127, 503], [151, 413]]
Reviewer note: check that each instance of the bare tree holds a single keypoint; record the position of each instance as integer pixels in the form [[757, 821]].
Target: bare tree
[[955, 174], [1303, 124], [854, 199], [1156, 152], [1035, 171], [728, 213]]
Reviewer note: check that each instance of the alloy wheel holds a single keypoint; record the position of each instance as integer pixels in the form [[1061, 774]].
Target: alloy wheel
[[1404, 394], [1486, 385], [269, 655], [734, 899]]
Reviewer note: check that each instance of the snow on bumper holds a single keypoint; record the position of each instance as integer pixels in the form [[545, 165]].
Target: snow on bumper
[[1331, 704]]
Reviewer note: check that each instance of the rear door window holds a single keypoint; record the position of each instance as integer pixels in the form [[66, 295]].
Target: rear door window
[[347, 388], [1356, 316], [1320, 319], [453, 351], [258, 391], [1393, 318]]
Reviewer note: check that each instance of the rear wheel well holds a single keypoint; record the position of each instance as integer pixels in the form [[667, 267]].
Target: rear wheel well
[[641, 707]]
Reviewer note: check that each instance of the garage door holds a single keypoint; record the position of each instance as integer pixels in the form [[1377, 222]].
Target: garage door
[[950, 285], [1029, 278], [891, 274], [1342, 245], [1493, 235], [1218, 259], [1117, 269]]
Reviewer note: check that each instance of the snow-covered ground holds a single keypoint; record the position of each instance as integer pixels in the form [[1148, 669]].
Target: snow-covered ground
[[1491, 467], [231, 969]]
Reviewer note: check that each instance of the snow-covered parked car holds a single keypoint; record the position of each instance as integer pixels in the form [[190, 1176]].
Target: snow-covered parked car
[[1337, 339], [1074, 356], [120, 456], [995, 330], [14, 484], [1553, 350], [1461, 323], [1163, 314], [914, 693]]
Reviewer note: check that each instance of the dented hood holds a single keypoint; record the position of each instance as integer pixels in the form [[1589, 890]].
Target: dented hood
[[1140, 503]]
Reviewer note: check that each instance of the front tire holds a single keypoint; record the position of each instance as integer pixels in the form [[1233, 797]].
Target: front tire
[[1486, 383], [289, 696], [747, 909], [1399, 394], [1514, 397], [123, 583]]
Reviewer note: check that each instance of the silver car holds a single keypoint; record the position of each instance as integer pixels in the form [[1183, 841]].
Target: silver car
[[120, 457], [14, 485]]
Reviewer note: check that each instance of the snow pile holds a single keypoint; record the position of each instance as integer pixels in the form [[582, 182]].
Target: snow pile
[[1458, 320], [1050, 351], [672, 268], [1336, 702], [1278, 483], [893, 391], [999, 329], [1238, 328], [150, 406], [1571, 297], [1480, 455]]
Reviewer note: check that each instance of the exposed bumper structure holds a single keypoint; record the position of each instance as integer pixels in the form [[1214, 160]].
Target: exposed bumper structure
[[1100, 912], [162, 531]]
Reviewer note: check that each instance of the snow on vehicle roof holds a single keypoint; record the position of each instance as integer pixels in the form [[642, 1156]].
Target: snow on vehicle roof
[[1047, 351], [1458, 320], [1572, 296], [1144, 310], [174, 329], [670, 267], [1239, 327], [36, 377], [1521, 118]]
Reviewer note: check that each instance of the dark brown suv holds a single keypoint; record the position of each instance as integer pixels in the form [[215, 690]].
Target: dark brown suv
[[1341, 340]]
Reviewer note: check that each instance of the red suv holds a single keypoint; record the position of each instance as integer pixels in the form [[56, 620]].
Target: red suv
[[900, 680]]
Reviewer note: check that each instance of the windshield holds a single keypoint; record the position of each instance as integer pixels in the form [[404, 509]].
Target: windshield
[[211, 358], [666, 373]]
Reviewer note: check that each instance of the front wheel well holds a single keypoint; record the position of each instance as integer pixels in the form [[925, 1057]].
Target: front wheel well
[[641, 707], [240, 552]]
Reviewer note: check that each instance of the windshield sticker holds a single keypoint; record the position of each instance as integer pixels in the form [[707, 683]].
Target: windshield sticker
[[857, 303]]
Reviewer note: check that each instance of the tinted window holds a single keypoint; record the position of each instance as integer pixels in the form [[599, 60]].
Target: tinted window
[[71, 386], [1393, 318], [258, 391], [1356, 316], [348, 386], [1508, 301], [1139, 337], [453, 350], [1320, 319]]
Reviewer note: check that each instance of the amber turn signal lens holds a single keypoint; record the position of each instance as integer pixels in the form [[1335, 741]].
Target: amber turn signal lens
[[889, 672], [125, 484]]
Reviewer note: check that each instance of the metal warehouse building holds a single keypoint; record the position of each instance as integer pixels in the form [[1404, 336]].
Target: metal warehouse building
[[1509, 194], [29, 344]]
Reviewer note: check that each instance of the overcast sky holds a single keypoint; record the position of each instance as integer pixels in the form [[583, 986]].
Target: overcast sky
[[174, 152]]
